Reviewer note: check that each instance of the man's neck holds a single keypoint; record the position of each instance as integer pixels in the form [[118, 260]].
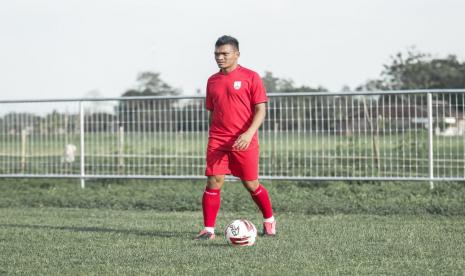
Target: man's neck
[[229, 69]]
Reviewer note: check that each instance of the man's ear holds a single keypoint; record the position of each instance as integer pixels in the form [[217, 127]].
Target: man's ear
[[238, 54]]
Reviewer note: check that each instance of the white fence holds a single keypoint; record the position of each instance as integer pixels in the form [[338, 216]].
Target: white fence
[[394, 135]]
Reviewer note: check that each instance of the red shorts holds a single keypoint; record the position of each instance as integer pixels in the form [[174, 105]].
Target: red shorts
[[242, 164]]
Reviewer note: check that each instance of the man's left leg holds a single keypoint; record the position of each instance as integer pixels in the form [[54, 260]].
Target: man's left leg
[[244, 164], [262, 199]]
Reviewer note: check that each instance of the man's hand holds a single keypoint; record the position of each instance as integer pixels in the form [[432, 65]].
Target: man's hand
[[243, 141]]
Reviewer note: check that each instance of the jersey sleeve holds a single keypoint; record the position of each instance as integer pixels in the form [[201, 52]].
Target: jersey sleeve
[[208, 101], [258, 90]]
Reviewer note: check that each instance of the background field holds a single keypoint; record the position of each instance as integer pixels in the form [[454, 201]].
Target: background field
[[146, 227], [282, 154]]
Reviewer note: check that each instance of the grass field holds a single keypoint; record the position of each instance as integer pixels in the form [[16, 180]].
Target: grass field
[[95, 241], [282, 154], [52, 227]]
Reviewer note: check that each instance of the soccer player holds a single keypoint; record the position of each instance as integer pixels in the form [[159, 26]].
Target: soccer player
[[236, 101]]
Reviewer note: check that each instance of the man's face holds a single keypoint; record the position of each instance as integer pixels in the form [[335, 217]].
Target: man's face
[[226, 56]]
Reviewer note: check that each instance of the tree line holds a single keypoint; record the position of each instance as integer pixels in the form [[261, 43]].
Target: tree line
[[412, 69]]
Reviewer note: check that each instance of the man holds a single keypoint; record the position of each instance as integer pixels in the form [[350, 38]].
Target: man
[[236, 101]]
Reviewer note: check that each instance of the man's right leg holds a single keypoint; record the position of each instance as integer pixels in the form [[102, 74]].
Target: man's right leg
[[211, 201]]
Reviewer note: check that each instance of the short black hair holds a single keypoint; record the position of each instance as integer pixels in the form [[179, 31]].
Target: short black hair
[[226, 39]]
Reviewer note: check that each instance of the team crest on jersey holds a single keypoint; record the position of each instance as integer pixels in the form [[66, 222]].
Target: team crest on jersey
[[237, 85]]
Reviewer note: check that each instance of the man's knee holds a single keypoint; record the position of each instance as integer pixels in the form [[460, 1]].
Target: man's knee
[[251, 185], [215, 181]]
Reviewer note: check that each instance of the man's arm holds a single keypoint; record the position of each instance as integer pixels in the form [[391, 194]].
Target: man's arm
[[243, 141]]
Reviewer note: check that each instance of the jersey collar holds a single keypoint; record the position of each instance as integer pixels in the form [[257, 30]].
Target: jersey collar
[[232, 72]]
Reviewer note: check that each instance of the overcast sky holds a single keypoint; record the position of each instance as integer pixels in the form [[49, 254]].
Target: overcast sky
[[68, 48]]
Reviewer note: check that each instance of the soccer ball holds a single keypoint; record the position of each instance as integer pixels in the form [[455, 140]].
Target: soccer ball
[[240, 232]]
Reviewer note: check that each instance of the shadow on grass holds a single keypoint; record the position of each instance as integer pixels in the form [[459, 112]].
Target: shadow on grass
[[163, 234], [210, 244]]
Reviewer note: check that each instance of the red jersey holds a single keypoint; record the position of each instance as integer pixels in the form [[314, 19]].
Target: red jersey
[[232, 98]]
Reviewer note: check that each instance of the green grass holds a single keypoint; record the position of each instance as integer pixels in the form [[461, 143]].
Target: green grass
[[56, 241], [380, 198], [53, 227], [282, 154]]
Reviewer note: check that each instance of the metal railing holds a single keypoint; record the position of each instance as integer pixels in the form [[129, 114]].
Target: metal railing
[[391, 135]]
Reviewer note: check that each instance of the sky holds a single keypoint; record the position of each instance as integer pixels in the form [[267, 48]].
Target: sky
[[83, 48]]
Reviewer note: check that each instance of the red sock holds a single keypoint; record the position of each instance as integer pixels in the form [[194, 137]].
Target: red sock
[[261, 198], [211, 201]]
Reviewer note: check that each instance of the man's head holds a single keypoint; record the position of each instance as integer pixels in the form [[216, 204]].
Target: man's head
[[227, 52]]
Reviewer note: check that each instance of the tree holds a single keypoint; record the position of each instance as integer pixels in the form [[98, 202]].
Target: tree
[[372, 85], [148, 115], [15, 122], [289, 113], [150, 84], [270, 82], [274, 84], [417, 70]]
